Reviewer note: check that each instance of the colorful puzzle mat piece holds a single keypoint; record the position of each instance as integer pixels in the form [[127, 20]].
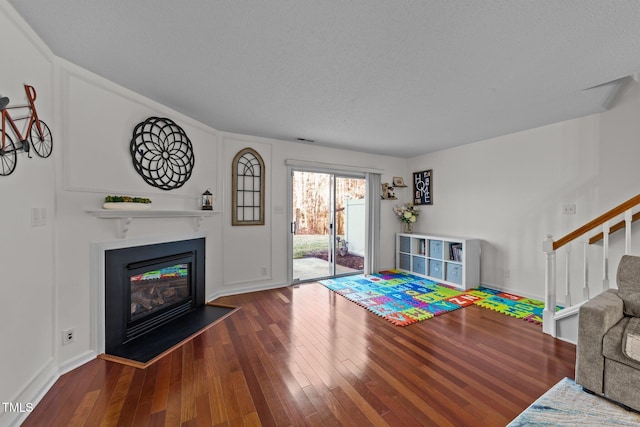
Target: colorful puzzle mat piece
[[404, 299]]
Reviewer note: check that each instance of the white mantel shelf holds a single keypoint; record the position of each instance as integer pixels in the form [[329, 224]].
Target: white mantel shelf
[[151, 213], [125, 217]]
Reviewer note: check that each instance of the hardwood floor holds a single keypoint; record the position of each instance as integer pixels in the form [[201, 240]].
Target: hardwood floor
[[303, 355]]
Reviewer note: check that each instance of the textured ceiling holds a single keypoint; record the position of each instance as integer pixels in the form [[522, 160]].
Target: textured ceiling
[[395, 77]]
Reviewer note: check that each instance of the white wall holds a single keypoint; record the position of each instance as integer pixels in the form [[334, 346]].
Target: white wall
[[27, 308], [509, 191]]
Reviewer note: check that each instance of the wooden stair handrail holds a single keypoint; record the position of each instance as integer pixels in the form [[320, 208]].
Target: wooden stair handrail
[[620, 209], [617, 226]]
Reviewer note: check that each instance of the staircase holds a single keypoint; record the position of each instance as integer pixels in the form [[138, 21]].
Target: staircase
[[563, 324]]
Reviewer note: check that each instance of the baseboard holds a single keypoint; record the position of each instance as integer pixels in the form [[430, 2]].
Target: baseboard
[[77, 361], [245, 290], [570, 341], [31, 394], [513, 291]]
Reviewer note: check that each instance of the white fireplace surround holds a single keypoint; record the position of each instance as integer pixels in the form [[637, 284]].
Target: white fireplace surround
[[97, 268]]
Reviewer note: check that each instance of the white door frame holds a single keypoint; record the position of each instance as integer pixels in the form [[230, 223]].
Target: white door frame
[[336, 173]]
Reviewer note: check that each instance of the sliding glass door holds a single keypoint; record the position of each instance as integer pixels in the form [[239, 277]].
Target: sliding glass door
[[328, 224]]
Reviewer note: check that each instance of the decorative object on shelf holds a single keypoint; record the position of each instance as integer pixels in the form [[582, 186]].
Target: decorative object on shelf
[[386, 192], [162, 153], [247, 194], [398, 181], [422, 187], [207, 201], [37, 134], [126, 206], [126, 203], [408, 214], [391, 193]]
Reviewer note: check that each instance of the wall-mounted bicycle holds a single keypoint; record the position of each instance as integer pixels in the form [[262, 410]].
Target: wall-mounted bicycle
[[37, 131]]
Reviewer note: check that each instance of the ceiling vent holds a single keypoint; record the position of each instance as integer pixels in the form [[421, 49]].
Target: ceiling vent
[[305, 140]]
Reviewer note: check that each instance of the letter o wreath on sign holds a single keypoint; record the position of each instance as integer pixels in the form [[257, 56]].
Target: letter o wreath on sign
[[162, 153]]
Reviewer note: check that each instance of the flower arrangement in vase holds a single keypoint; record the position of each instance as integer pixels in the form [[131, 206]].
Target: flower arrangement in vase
[[408, 214]]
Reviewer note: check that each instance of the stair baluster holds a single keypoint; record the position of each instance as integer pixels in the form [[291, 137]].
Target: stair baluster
[[605, 256], [628, 219], [567, 276], [548, 322], [585, 288]]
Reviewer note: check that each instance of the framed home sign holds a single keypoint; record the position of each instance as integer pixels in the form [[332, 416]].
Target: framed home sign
[[423, 187]]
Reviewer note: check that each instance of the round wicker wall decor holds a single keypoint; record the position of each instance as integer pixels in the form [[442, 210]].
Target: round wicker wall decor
[[162, 153]]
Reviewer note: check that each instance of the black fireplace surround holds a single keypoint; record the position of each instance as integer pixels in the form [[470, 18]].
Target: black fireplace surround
[[147, 287]]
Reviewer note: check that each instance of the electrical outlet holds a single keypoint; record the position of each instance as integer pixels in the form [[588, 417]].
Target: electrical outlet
[[264, 271], [35, 217], [68, 336], [38, 217], [569, 209]]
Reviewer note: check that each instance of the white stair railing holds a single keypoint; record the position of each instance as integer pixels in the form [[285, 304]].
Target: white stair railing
[[550, 247]]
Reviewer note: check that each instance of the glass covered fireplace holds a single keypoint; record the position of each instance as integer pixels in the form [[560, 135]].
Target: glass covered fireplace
[[149, 286], [155, 290], [159, 289]]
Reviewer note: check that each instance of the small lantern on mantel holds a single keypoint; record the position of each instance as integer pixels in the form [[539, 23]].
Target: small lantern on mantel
[[207, 201]]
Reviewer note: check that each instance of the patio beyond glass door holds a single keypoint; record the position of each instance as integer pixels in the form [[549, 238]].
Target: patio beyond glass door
[[328, 225]]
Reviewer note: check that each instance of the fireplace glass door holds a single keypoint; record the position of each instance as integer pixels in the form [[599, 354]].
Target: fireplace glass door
[[159, 289], [155, 290]]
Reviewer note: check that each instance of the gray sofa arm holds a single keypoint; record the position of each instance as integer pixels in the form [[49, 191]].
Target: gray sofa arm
[[597, 316]]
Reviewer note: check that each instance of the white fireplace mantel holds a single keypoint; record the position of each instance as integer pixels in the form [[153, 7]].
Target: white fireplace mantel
[[125, 217]]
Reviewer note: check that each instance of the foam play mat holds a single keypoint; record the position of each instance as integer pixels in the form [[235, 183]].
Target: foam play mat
[[404, 299]]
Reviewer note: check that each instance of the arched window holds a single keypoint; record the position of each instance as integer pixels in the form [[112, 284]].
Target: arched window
[[248, 188]]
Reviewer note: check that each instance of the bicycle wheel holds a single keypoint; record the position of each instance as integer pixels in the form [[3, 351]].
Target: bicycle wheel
[[8, 157], [41, 144]]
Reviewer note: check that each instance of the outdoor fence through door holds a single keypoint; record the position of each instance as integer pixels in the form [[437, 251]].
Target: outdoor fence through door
[[328, 224]]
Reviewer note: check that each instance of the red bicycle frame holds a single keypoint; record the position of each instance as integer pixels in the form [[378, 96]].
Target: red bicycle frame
[[33, 116]]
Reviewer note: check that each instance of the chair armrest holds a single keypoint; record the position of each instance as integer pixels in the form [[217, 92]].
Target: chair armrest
[[597, 316]]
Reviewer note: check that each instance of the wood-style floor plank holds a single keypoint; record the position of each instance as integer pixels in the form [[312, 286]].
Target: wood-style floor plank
[[304, 356]]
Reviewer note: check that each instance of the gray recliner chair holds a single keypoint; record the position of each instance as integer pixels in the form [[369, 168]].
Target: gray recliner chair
[[608, 352]]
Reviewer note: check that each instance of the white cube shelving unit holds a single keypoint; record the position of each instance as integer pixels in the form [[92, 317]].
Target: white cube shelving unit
[[454, 261]]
